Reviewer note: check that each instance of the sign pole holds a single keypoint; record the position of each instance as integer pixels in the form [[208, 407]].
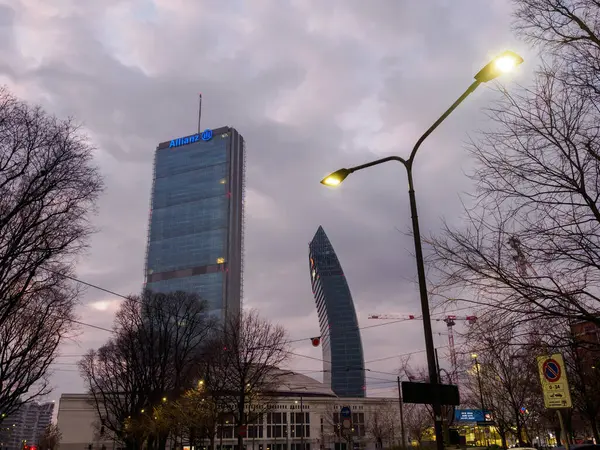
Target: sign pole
[[563, 432], [401, 414]]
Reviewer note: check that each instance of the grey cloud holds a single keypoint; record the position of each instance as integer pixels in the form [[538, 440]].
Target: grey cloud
[[7, 16], [132, 79]]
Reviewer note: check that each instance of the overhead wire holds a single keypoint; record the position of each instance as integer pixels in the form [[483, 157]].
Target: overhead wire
[[100, 288]]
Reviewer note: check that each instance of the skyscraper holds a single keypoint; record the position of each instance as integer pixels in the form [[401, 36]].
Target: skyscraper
[[26, 426], [196, 225], [340, 337]]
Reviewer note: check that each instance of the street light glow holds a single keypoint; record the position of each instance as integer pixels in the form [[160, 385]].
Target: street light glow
[[335, 179], [504, 63], [331, 181]]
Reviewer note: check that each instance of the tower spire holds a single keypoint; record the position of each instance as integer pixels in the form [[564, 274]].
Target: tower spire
[[199, 112]]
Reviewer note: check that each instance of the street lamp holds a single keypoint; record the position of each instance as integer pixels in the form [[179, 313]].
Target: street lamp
[[477, 369], [503, 63], [474, 357]]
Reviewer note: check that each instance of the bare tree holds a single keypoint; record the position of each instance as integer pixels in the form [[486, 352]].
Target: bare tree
[[48, 188], [382, 421], [420, 374], [530, 246], [50, 440], [155, 356], [418, 422], [505, 377], [197, 415], [243, 368]]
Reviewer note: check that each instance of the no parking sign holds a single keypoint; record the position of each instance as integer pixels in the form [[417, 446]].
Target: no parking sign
[[554, 381]]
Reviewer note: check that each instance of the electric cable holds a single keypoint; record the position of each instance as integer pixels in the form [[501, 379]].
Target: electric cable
[[94, 286]]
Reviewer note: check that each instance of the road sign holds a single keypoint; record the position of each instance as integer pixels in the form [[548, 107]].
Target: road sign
[[346, 412], [554, 381], [551, 370], [347, 424]]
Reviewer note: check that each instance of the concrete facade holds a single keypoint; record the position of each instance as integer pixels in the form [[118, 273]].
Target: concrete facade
[[279, 429]]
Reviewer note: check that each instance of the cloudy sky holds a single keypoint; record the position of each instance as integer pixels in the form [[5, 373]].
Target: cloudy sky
[[313, 86]]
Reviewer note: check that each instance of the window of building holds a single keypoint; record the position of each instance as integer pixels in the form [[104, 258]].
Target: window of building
[[255, 428], [358, 424], [299, 446], [297, 424], [276, 425], [226, 427]]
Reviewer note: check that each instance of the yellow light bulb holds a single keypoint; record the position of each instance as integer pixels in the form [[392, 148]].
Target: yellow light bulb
[[506, 63], [332, 181]]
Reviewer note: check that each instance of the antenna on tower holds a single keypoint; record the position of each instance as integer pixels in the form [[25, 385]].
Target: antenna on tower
[[199, 112]]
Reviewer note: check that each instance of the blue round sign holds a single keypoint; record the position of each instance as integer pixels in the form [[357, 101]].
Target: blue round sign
[[551, 370], [346, 412], [207, 135]]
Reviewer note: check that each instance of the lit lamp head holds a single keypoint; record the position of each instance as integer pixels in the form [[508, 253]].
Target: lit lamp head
[[335, 178], [504, 63]]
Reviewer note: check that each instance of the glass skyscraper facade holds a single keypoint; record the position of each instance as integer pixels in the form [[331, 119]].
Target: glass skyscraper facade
[[343, 360], [195, 236]]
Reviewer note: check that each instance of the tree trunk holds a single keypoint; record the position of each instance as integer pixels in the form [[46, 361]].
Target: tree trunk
[[519, 427], [594, 426], [502, 433], [151, 442], [162, 441], [240, 421]]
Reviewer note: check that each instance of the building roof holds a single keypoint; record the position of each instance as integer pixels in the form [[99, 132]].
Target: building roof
[[289, 383]]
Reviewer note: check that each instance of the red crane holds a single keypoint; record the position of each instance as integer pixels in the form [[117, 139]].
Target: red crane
[[449, 320]]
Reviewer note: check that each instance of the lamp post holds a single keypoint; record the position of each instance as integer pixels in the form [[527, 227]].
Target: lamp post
[[474, 356], [477, 369], [499, 65], [291, 388]]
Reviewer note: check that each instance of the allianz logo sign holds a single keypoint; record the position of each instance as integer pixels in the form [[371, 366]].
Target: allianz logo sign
[[206, 135]]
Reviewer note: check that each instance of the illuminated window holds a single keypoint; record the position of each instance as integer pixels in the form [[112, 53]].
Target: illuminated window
[[314, 274], [222, 181], [220, 260]]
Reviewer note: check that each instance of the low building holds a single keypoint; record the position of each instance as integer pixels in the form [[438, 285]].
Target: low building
[[26, 426], [302, 415]]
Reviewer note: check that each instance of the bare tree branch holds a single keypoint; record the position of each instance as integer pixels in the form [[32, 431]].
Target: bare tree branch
[[155, 356], [48, 188]]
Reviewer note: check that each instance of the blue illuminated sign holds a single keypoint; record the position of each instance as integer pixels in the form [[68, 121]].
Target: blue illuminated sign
[[468, 415], [206, 135], [472, 415]]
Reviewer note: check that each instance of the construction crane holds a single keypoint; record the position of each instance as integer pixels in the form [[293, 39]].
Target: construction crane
[[449, 320], [520, 260]]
